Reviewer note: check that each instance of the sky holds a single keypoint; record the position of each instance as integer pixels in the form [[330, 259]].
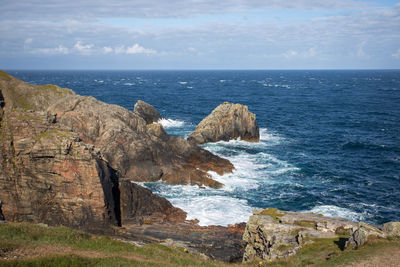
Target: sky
[[199, 34]]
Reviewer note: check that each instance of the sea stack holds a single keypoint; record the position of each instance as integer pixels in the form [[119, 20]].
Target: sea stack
[[226, 122]]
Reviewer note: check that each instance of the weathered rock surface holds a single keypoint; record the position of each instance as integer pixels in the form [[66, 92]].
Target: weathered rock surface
[[147, 112], [360, 234], [140, 205], [272, 234], [215, 242], [227, 121], [392, 229], [137, 150], [49, 175]]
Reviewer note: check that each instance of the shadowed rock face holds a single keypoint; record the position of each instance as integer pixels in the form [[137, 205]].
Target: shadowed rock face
[[140, 205], [147, 112], [227, 121]]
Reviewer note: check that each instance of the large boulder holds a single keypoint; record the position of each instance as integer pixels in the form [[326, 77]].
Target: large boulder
[[147, 112], [392, 229], [361, 233], [273, 234], [227, 121]]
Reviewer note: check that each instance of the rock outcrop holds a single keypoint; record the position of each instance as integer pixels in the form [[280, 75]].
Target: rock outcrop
[[360, 234], [272, 234], [49, 174], [147, 112], [227, 121], [392, 229], [137, 150], [140, 206]]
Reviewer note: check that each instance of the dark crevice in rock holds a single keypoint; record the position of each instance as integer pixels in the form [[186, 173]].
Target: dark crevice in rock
[[109, 182]]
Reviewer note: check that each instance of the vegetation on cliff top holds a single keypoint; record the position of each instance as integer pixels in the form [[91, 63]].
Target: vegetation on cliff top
[[25, 244]]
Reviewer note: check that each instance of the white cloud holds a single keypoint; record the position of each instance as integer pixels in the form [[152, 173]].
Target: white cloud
[[360, 50], [28, 41], [51, 51], [107, 50], [137, 49], [290, 54], [312, 52], [396, 54], [83, 49]]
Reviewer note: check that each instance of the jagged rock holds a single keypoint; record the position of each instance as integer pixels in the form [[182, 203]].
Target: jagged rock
[[140, 205], [137, 150], [48, 174], [227, 121], [43, 180], [147, 112], [272, 234], [392, 229], [360, 234]]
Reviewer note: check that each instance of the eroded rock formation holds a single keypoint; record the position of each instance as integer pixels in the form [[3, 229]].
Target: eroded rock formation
[[147, 112], [227, 121], [272, 234], [51, 170]]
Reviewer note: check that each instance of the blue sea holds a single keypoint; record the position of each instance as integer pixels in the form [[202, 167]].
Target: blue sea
[[330, 140]]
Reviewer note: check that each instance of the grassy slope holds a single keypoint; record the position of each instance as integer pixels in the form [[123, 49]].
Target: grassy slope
[[35, 245]]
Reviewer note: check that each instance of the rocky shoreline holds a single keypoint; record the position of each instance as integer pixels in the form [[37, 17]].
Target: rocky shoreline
[[72, 160]]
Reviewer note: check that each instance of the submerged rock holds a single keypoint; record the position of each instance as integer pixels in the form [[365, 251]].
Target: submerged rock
[[227, 121], [272, 234]]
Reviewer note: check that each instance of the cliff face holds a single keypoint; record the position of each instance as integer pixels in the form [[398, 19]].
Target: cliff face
[[50, 174], [227, 121]]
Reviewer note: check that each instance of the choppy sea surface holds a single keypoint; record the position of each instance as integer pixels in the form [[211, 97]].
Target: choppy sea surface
[[330, 140]]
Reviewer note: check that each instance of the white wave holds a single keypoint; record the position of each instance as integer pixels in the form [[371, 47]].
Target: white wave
[[129, 84], [169, 123], [208, 205], [269, 136], [335, 211], [214, 210], [183, 83]]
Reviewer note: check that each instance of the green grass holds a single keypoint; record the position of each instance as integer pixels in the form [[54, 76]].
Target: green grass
[[83, 249]]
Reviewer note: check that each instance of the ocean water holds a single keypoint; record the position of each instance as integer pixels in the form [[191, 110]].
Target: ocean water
[[330, 140]]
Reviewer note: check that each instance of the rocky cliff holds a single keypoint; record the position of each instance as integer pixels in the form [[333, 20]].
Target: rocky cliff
[[227, 121], [274, 234], [52, 171]]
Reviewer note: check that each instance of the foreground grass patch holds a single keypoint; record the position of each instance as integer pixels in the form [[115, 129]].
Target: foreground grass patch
[[25, 244]]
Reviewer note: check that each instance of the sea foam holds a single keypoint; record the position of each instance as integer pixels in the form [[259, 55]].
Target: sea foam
[[169, 123], [335, 211]]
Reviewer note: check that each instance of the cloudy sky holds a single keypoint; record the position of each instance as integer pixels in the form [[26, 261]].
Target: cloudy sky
[[199, 34]]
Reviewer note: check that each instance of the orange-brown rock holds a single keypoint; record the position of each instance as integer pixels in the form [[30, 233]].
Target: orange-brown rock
[[137, 150], [49, 174], [227, 121]]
